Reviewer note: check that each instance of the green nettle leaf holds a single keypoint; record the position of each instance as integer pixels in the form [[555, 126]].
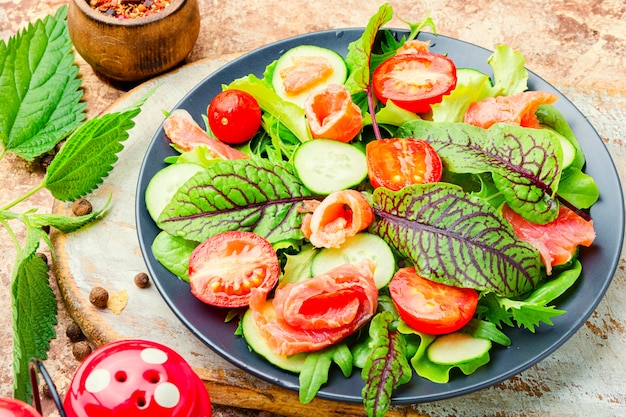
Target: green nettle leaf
[[88, 155], [34, 309], [386, 367], [248, 194], [39, 87], [64, 223], [455, 238], [525, 163]]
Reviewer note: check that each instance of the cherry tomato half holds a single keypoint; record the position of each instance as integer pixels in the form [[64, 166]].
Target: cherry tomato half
[[431, 307], [396, 163], [414, 81], [224, 268], [234, 116]]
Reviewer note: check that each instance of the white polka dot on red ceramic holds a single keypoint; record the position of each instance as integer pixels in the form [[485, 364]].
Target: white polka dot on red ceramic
[[153, 356], [167, 395], [97, 380]]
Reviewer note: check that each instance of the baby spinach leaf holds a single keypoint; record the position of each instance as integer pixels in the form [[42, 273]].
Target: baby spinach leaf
[[549, 115], [39, 88], [578, 188], [525, 163], [386, 367], [455, 238], [249, 194], [173, 253]]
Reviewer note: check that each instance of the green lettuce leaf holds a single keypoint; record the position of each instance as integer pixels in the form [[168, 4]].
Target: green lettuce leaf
[[524, 162], [39, 87], [173, 253], [289, 114], [455, 238], [255, 195], [510, 75]]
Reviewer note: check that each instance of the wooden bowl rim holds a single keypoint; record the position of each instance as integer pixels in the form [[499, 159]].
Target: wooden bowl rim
[[100, 17]]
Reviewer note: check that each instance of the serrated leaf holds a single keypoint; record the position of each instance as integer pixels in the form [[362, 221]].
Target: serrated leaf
[[88, 155], [65, 224], [455, 238], [525, 163], [34, 309], [39, 87], [386, 367], [529, 315], [247, 194]]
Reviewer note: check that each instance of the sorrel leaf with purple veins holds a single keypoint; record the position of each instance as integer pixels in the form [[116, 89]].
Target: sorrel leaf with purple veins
[[455, 238], [525, 163], [250, 194]]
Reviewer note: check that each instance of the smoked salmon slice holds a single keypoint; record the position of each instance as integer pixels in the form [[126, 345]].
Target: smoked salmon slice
[[518, 109], [310, 315], [341, 215], [186, 134], [556, 241], [305, 73]]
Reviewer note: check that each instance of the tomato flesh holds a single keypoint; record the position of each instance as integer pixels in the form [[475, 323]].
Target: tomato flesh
[[431, 307], [234, 116], [414, 81], [224, 268], [398, 162]]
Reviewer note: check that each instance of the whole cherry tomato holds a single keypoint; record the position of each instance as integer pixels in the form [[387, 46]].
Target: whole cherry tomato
[[234, 116]]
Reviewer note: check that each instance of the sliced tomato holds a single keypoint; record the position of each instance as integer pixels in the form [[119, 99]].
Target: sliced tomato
[[518, 109], [225, 268], [186, 134], [396, 163], [557, 240], [414, 81], [313, 314], [339, 216], [332, 114], [234, 116], [429, 306]]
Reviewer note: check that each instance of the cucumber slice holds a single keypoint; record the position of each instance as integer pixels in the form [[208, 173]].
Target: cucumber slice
[[259, 344], [356, 248], [456, 348], [164, 185], [467, 76], [569, 151], [326, 165], [291, 57]]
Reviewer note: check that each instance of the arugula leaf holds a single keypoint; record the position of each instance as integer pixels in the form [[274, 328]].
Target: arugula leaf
[[455, 238], [248, 194], [88, 155], [360, 51], [34, 310], [39, 87], [524, 162], [386, 367], [316, 366], [533, 310]]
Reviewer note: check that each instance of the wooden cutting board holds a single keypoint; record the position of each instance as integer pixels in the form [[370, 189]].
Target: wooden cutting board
[[107, 254]]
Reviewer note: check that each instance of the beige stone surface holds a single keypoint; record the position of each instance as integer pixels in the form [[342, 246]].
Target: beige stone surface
[[580, 46]]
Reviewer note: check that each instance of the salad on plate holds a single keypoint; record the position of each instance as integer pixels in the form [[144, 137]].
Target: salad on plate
[[386, 211]]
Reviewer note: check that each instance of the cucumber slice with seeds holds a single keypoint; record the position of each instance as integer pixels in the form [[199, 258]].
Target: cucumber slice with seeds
[[326, 165], [165, 183]]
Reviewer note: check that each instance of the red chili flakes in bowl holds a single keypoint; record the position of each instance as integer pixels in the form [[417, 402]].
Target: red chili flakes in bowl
[[128, 9]]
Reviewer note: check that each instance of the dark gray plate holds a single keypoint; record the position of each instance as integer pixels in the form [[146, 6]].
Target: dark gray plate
[[599, 261]]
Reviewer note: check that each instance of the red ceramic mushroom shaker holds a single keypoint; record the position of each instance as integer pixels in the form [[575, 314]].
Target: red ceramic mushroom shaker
[[136, 378], [10, 407]]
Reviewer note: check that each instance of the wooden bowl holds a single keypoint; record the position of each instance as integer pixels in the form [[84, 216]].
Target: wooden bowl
[[134, 49]]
